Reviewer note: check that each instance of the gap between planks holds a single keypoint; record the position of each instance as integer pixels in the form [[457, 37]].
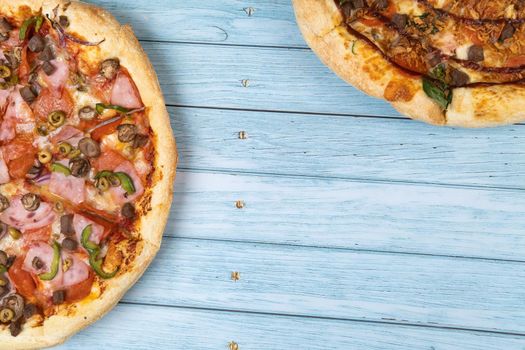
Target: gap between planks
[[326, 318], [349, 179]]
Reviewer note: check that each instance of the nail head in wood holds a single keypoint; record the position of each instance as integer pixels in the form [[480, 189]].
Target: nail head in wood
[[239, 204]]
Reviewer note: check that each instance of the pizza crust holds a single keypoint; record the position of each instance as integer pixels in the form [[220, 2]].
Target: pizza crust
[[94, 23], [360, 64]]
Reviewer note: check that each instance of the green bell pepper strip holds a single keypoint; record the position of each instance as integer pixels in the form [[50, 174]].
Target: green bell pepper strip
[[60, 168], [94, 250], [3, 269], [86, 243], [26, 25], [100, 107], [54, 264], [103, 173], [96, 264], [126, 182]]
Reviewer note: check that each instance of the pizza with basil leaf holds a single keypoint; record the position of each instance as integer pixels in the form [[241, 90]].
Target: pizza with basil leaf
[[87, 163], [445, 62]]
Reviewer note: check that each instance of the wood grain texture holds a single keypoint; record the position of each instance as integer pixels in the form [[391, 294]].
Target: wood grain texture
[[356, 233], [343, 147], [337, 213], [175, 328], [307, 281], [275, 79], [261, 22]]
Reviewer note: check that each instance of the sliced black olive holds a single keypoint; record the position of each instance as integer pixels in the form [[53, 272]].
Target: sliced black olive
[[13, 58], [475, 53], [379, 4], [5, 26], [35, 87], [66, 225], [30, 201], [109, 68], [48, 68], [356, 4], [434, 58], [58, 297], [70, 244], [4, 203], [400, 20], [37, 263], [140, 141], [47, 54], [15, 327], [507, 32], [63, 21], [16, 303], [3, 258], [27, 94], [10, 261], [87, 113], [126, 132], [36, 44], [34, 172], [128, 211], [30, 310], [89, 147], [458, 78], [79, 167]]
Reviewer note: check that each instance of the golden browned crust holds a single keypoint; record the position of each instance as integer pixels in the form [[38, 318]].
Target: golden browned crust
[[363, 66], [94, 24]]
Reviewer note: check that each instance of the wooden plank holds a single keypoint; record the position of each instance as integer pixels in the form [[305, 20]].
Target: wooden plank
[[138, 326], [336, 213], [264, 22], [274, 79], [465, 293], [359, 148]]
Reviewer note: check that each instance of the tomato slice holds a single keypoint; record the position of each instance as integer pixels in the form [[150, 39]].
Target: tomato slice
[[22, 280], [108, 160], [51, 100], [104, 130], [20, 156], [80, 290], [38, 235]]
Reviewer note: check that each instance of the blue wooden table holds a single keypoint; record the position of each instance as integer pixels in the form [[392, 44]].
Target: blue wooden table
[[308, 215]]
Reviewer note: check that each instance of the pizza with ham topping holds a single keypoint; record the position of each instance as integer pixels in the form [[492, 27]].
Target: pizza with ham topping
[[87, 163], [446, 62]]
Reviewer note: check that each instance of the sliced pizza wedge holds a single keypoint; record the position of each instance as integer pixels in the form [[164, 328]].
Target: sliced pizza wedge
[[442, 62]]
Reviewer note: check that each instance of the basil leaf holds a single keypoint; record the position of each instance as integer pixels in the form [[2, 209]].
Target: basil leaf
[[439, 92]]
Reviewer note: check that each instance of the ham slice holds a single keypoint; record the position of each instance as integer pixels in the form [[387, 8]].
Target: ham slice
[[124, 92], [40, 250], [80, 223], [18, 117], [118, 193], [58, 79], [68, 187], [4, 171], [17, 216], [77, 272], [68, 133]]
